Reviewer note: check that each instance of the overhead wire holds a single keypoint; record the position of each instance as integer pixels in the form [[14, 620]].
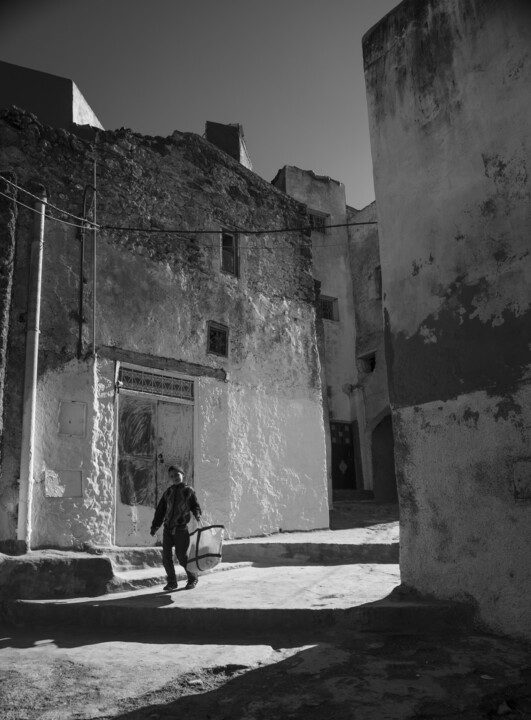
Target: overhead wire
[[88, 224], [49, 204], [269, 231], [28, 207]]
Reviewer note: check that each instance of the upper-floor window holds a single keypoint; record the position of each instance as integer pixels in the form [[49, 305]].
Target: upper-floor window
[[328, 308], [378, 281], [318, 221], [230, 261], [367, 362], [218, 339]]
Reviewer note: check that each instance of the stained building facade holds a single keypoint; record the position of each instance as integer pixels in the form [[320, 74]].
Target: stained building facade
[[354, 376], [449, 90], [164, 335]]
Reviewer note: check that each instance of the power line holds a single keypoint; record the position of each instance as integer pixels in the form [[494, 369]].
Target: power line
[[49, 204], [28, 207], [269, 231], [171, 231]]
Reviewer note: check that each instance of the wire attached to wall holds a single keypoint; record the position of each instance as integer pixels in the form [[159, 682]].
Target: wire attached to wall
[[85, 223]]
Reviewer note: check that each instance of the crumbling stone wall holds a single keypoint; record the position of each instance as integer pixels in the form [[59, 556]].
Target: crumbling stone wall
[[449, 88], [155, 294]]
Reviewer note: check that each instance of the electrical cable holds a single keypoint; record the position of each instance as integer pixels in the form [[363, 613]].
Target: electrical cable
[[176, 232], [119, 228], [50, 217], [269, 231], [182, 234], [49, 204]]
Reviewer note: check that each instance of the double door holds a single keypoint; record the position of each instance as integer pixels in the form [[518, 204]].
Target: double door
[[152, 435]]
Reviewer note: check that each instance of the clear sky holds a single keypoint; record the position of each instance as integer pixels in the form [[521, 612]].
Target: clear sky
[[290, 71]]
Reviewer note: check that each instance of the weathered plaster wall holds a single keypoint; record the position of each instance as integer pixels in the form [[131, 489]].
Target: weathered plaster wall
[[372, 395], [155, 294], [331, 263], [57, 519], [465, 530], [276, 484], [449, 89], [364, 261]]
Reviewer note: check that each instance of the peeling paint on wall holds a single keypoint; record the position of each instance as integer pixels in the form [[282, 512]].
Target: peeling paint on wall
[[468, 348], [449, 90]]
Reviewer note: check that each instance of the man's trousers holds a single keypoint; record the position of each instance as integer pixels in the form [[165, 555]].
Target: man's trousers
[[178, 539]]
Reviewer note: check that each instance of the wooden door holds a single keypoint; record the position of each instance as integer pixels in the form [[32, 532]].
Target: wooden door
[[343, 467], [152, 435]]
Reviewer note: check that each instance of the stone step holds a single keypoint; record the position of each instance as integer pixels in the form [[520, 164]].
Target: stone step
[[250, 599], [266, 552], [284, 548], [137, 578], [300, 553]]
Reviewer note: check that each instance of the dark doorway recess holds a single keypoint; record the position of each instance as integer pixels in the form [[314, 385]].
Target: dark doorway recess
[[383, 462], [343, 462]]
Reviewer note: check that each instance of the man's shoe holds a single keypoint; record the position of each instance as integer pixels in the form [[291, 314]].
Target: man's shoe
[[190, 585], [170, 586]]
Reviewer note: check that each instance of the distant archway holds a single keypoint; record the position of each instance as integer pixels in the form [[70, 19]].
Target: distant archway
[[383, 462]]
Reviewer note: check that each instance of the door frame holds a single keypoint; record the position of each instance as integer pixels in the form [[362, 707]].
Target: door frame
[[119, 390]]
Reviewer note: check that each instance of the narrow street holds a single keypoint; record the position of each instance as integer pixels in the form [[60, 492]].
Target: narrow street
[[268, 669]]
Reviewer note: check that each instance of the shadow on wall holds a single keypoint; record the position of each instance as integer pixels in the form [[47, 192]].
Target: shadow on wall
[[383, 462]]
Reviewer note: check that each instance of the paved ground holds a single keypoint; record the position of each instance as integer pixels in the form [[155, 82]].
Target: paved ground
[[252, 644]]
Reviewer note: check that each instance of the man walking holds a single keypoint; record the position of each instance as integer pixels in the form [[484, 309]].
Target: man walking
[[174, 510]]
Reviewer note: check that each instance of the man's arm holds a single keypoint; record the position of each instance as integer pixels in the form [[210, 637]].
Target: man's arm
[[195, 507], [159, 515]]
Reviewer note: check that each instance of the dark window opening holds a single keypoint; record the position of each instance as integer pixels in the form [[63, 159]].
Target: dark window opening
[[328, 308], [318, 221], [367, 363], [229, 253], [378, 281], [218, 339]]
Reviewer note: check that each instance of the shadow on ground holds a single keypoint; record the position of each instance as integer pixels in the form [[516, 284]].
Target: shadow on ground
[[374, 677]]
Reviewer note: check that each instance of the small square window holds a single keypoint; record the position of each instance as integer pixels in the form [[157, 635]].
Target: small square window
[[218, 339], [367, 362], [318, 221], [229, 253], [328, 308]]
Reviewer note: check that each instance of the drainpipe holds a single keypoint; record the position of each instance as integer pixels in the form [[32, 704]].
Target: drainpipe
[[94, 249], [81, 271], [30, 373]]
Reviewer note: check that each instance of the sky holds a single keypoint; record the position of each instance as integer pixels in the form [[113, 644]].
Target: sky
[[289, 71]]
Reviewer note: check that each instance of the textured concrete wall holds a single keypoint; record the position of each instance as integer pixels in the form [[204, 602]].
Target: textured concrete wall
[[449, 89], [259, 442]]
